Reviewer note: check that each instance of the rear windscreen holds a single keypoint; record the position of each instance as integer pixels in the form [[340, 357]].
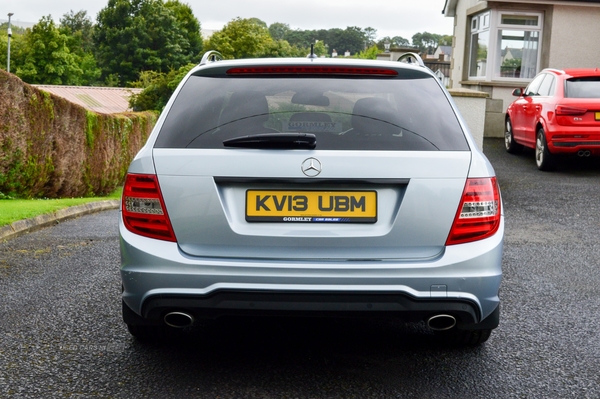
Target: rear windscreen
[[343, 113], [588, 87]]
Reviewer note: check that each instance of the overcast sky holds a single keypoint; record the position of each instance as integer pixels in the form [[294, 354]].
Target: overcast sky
[[390, 18]]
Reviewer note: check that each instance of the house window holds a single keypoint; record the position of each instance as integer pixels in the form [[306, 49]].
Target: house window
[[518, 46], [480, 43], [505, 45]]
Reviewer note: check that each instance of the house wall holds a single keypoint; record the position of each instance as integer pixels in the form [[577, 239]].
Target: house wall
[[472, 106], [461, 32], [570, 40], [575, 37]]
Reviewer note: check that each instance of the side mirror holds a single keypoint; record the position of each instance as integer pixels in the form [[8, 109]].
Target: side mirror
[[518, 92]]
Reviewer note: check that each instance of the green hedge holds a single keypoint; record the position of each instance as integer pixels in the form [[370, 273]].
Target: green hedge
[[52, 148]]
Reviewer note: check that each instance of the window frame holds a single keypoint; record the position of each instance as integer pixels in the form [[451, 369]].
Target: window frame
[[494, 54]]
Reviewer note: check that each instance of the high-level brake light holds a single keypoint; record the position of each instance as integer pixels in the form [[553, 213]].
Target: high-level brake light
[[311, 70]]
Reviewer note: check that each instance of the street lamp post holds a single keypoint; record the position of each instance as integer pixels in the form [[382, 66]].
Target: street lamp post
[[10, 14]]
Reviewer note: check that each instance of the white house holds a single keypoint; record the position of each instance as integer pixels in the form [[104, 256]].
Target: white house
[[500, 45]]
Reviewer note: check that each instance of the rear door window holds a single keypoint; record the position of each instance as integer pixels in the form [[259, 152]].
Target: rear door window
[[343, 113]]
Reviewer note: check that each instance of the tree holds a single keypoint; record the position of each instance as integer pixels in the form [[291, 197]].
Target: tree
[[369, 54], [241, 38], [426, 42], [320, 48], [353, 39], [445, 40], [279, 30], [399, 41], [16, 44], [370, 35], [189, 25], [132, 36], [158, 88], [281, 48], [258, 22], [396, 41], [78, 23], [78, 28], [46, 57]]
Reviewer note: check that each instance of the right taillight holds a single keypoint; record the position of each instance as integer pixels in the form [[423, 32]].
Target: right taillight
[[478, 215], [143, 208]]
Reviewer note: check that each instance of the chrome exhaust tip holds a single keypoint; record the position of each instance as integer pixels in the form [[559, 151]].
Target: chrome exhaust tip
[[179, 319], [584, 153], [441, 322]]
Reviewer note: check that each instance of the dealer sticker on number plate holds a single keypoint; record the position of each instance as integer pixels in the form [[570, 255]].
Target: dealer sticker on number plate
[[311, 206]]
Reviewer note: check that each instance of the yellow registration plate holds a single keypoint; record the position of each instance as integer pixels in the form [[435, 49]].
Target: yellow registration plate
[[311, 206], [598, 116]]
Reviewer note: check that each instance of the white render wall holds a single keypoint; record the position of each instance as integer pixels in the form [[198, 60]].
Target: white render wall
[[472, 107]]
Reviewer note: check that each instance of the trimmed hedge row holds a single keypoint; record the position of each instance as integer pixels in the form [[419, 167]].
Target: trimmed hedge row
[[52, 148]]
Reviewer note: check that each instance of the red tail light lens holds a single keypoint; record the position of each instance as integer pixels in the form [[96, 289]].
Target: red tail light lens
[[566, 110], [143, 208], [478, 215]]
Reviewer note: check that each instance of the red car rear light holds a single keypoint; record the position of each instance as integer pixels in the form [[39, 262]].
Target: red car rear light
[[478, 215], [143, 208], [311, 70], [567, 110]]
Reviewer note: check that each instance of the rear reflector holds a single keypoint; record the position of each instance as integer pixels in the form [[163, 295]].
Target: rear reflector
[[565, 110], [478, 215], [143, 209], [311, 70]]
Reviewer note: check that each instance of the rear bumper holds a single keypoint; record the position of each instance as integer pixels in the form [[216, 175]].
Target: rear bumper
[[242, 303], [574, 140], [463, 282]]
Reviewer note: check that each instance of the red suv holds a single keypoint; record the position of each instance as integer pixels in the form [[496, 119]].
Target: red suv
[[558, 113]]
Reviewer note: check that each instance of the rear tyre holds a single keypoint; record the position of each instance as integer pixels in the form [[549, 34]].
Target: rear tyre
[[464, 337], [543, 158], [145, 333], [139, 327], [512, 147]]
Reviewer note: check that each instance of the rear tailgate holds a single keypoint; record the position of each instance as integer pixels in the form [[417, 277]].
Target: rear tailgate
[[579, 112], [416, 195]]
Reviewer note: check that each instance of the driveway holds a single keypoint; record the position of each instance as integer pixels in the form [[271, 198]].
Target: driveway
[[61, 333]]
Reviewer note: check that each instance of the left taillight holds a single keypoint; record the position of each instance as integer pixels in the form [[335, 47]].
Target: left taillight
[[143, 208], [564, 110], [478, 215]]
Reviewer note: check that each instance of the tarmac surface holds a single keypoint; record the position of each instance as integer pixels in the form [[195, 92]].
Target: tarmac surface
[[21, 227], [61, 333]]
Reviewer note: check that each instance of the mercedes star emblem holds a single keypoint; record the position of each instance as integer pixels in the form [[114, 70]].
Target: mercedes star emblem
[[311, 167]]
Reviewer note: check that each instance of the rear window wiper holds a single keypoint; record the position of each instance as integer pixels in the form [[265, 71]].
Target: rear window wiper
[[274, 141]]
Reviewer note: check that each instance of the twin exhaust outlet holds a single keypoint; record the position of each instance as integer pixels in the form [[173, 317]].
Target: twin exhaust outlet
[[438, 322]]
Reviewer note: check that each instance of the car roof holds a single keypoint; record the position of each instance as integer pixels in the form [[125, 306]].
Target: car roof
[[223, 65], [574, 72]]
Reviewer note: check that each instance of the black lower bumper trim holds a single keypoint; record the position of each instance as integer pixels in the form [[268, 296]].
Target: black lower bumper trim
[[227, 303]]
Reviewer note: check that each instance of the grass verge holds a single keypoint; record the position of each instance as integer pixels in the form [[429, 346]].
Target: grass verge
[[12, 210]]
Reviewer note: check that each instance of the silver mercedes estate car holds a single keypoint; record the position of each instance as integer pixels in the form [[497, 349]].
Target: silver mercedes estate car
[[312, 187]]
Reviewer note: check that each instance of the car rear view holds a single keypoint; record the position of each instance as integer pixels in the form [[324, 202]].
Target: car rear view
[[311, 186], [557, 114]]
